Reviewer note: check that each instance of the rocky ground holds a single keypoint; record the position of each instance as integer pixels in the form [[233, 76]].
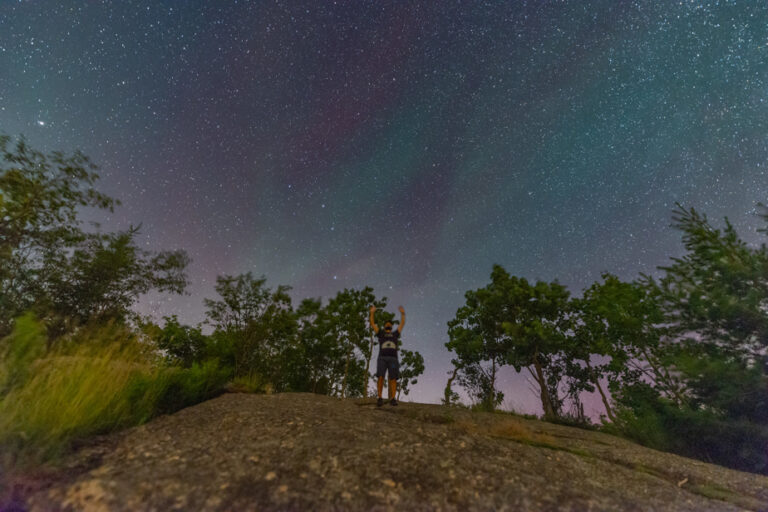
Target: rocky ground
[[309, 452]]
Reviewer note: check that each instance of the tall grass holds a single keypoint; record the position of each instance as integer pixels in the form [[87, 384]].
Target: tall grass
[[95, 382]]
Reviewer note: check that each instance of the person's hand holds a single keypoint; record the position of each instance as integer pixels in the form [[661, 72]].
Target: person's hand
[[373, 309], [401, 309]]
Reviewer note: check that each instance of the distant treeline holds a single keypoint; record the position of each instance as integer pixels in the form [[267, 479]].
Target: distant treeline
[[270, 346], [679, 361]]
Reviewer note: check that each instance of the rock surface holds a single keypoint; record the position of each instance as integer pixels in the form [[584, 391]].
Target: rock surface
[[310, 452]]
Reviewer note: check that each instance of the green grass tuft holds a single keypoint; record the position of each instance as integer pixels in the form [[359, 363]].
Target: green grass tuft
[[92, 383]]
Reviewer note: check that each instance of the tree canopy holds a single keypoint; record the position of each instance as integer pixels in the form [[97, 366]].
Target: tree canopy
[[51, 264]]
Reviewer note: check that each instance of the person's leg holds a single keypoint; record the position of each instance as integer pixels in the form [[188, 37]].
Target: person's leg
[[393, 374], [381, 369]]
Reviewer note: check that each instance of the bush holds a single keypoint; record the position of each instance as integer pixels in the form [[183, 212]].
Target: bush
[[700, 434], [253, 383], [736, 444], [95, 382]]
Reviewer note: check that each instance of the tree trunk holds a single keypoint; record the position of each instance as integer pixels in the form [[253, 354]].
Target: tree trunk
[[546, 402], [492, 397], [596, 381], [447, 399]]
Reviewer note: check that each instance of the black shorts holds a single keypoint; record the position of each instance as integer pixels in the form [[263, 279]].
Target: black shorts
[[389, 364]]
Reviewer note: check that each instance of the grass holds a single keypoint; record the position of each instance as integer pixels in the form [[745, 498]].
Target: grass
[[95, 382], [510, 429], [253, 383]]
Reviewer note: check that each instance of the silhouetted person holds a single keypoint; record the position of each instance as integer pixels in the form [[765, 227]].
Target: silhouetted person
[[388, 362]]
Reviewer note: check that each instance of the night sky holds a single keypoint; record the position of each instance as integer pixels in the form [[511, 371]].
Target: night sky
[[406, 146]]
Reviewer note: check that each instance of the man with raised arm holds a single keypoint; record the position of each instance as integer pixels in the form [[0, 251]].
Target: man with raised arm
[[388, 362]]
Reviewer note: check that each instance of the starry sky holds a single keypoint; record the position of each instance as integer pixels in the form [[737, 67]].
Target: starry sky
[[404, 145]]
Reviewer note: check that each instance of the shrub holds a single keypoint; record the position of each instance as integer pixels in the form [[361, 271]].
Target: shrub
[[91, 383], [253, 383], [700, 434]]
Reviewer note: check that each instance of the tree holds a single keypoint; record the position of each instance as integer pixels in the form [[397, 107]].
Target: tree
[[450, 397], [348, 315], [320, 355], [252, 325], [719, 288], [39, 200], [104, 277], [616, 334], [49, 263], [182, 345], [477, 337], [535, 320], [715, 300], [411, 366], [714, 310]]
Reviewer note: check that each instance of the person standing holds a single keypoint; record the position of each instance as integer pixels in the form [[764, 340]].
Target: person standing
[[388, 363]]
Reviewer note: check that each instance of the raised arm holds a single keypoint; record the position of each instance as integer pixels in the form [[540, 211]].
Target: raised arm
[[371, 320], [402, 319]]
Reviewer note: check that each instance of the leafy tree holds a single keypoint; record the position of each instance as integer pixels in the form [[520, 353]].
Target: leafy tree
[[39, 200], [719, 288], [319, 356], [182, 344], [49, 263], [535, 321], [348, 314], [411, 366], [477, 337], [252, 325], [106, 274], [308, 357], [713, 301], [477, 380], [616, 334]]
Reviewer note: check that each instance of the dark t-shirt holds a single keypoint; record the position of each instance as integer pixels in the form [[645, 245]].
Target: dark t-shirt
[[388, 342]]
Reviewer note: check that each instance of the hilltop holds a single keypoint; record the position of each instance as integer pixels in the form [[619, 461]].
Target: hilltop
[[312, 452]]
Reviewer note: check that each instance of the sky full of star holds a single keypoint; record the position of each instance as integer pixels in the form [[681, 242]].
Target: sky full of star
[[404, 145]]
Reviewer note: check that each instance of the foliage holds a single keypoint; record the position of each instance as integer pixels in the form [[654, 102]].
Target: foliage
[[615, 336], [719, 288], [318, 348], [450, 397], [411, 366], [314, 360], [99, 380], [82, 369], [49, 263], [347, 315], [252, 324], [713, 301], [477, 337], [683, 355], [106, 274], [511, 322], [182, 345], [478, 383]]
